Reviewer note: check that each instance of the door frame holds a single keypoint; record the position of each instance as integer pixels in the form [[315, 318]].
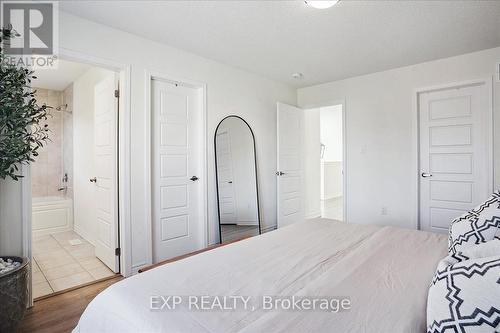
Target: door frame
[[150, 75], [345, 162], [488, 83], [123, 170]]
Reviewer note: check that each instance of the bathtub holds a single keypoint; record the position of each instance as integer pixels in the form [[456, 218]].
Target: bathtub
[[51, 215]]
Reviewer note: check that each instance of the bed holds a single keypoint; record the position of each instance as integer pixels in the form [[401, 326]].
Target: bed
[[384, 272]]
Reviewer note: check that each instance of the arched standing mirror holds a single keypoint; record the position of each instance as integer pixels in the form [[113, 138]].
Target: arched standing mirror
[[236, 175]]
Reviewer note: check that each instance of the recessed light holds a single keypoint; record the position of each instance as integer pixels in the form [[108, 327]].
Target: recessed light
[[321, 4], [297, 76]]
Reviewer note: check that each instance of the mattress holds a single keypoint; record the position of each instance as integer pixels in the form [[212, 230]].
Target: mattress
[[382, 272]]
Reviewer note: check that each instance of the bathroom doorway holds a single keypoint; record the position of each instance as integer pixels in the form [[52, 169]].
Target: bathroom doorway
[[74, 180], [324, 162], [331, 161]]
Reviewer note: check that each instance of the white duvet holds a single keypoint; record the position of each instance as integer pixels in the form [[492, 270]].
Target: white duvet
[[384, 272]]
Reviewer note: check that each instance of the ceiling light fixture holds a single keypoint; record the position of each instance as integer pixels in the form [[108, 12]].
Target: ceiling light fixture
[[322, 4], [297, 76]]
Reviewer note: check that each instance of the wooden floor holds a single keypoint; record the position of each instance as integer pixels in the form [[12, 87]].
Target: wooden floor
[[60, 313], [231, 232]]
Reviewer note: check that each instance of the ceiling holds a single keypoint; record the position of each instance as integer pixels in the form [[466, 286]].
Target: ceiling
[[278, 38], [59, 78]]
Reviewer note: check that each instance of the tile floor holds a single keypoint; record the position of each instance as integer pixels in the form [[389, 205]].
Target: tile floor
[[333, 208], [58, 265]]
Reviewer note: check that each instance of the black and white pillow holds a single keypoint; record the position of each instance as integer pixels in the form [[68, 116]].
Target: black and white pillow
[[464, 295], [476, 226]]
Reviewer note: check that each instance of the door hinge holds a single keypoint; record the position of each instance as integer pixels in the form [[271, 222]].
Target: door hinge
[[117, 93], [118, 251]]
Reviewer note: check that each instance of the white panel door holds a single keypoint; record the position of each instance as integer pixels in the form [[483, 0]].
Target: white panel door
[[225, 179], [290, 164], [455, 158], [178, 215], [105, 159]]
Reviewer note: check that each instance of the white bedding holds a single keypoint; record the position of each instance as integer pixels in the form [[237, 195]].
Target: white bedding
[[384, 271]]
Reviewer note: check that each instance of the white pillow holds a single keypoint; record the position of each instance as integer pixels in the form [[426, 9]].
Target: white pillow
[[483, 250], [477, 226], [464, 295]]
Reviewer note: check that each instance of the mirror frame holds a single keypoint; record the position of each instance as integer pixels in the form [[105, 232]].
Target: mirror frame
[[217, 174]]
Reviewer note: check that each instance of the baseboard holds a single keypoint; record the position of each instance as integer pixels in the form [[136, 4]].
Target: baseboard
[[313, 215], [332, 197], [270, 228], [83, 234], [49, 231], [187, 255], [135, 268], [247, 223]]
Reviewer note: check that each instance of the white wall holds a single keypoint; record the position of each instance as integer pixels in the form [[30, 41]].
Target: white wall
[[331, 132], [380, 132], [331, 163], [84, 192], [243, 168], [331, 180], [312, 171], [11, 217], [229, 91], [380, 122]]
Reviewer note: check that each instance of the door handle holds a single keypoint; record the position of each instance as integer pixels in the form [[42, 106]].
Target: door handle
[[280, 173], [93, 180], [426, 175], [230, 182], [194, 178]]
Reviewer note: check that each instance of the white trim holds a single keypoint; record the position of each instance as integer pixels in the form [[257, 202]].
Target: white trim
[[415, 129], [124, 179], [148, 137], [77, 56], [488, 83], [345, 161], [332, 197], [491, 134], [79, 231], [246, 223], [313, 215], [124, 161], [269, 228], [149, 75], [136, 267], [497, 72]]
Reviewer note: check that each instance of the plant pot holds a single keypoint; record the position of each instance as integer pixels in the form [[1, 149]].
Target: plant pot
[[13, 295]]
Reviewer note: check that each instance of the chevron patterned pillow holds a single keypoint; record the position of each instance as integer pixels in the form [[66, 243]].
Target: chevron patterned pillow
[[476, 226], [464, 295]]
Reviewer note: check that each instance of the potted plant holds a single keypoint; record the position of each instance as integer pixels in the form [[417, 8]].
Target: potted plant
[[21, 135]]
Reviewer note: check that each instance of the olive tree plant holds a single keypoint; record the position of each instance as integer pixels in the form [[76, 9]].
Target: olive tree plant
[[22, 128]]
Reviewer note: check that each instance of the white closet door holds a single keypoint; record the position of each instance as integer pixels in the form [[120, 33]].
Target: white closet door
[[455, 164], [225, 179], [105, 150], [290, 173], [178, 214]]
